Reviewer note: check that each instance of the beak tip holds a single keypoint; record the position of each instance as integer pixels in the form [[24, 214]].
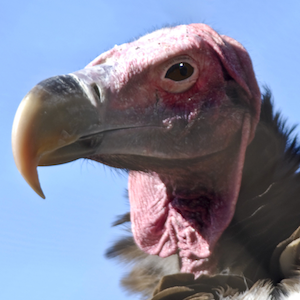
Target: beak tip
[[35, 185], [40, 193]]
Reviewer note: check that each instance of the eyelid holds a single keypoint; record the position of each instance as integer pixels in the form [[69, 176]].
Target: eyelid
[[176, 87]]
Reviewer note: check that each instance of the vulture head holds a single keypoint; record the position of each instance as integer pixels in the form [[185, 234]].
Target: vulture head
[[178, 108]]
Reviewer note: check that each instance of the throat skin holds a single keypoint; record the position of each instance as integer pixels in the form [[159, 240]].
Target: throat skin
[[184, 209]]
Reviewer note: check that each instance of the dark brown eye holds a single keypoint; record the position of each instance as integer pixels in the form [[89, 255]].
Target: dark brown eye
[[180, 71], [178, 74]]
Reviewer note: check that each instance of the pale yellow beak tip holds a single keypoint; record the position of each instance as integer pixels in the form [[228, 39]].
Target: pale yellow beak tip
[[30, 174], [25, 144], [40, 193], [38, 190]]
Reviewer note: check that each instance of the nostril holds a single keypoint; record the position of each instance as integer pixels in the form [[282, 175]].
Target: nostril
[[97, 91]]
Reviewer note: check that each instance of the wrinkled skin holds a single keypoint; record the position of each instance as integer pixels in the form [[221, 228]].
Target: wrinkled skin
[[261, 244], [178, 108]]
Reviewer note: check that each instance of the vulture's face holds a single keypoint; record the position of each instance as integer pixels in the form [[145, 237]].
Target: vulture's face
[[178, 108]]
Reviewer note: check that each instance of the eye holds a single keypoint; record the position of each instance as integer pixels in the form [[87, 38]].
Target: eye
[[178, 74], [180, 71]]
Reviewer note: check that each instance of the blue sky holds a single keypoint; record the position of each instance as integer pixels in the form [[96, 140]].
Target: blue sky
[[54, 248]]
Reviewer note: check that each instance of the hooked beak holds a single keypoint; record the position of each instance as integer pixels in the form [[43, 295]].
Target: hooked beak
[[50, 124]]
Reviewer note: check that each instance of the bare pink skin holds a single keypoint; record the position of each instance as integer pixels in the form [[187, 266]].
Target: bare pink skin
[[159, 46], [183, 204]]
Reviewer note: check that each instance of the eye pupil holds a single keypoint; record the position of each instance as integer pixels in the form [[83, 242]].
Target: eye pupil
[[180, 71], [183, 69]]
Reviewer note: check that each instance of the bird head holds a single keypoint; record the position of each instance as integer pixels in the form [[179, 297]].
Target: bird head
[[177, 108]]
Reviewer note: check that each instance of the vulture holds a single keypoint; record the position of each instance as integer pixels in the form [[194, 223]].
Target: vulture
[[213, 171]]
